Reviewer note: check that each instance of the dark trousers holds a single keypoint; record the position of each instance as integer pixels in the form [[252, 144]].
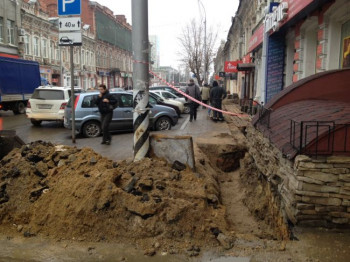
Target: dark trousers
[[193, 111], [105, 121], [217, 104]]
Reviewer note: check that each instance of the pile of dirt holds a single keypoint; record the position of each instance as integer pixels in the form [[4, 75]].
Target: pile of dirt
[[63, 192]]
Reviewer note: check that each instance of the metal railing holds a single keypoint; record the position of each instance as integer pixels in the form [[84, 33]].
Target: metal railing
[[320, 137]]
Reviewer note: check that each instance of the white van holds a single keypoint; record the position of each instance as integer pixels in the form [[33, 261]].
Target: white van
[[48, 103]]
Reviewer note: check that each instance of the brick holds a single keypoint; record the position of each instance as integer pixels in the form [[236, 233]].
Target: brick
[[313, 165], [330, 208], [344, 177], [322, 201], [321, 176], [338, 160], [310, 180], [302, 206], [336, 171], [313, 223], [340, 214], [308, 193], [320, 188], [340, 220], [346, 203]]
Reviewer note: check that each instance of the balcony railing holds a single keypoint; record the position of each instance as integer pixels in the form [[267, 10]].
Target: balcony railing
[[320, 137]]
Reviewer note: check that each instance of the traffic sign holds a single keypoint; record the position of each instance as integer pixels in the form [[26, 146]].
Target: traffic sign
[[69, 7], [69, 24], [69, 38]]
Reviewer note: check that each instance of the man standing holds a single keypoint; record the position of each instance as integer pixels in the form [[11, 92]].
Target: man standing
[[193, 90], [217, 94], [105, 103]]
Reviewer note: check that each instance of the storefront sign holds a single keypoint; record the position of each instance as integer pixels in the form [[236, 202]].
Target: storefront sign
[[256, 39], [247, 59], [283, 13], [231, 66], [273, 20]]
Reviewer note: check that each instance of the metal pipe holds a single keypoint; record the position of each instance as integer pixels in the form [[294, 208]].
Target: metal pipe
[[140, 48], [72, 91]]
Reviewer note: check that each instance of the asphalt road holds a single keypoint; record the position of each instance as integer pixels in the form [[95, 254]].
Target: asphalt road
[[120, 149]]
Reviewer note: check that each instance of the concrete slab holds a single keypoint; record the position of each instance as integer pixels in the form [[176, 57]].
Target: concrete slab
[[173, 148]]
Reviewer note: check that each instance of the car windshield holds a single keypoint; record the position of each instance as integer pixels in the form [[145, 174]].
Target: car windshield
[[48, 94], [169, 95], [158, 97]]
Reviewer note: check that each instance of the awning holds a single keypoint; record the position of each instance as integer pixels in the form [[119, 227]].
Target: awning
[[245, 67]]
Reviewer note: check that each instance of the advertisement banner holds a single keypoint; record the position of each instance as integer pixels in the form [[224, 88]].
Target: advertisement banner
[[256, 39], [231, 66]]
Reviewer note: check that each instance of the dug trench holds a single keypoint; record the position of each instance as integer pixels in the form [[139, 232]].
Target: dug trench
[[64, 193]]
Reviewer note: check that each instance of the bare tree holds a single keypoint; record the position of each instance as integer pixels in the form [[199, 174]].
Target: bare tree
[[192, 53]]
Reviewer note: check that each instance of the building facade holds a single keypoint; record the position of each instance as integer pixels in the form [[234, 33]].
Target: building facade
[[278, 43], [10, 27]]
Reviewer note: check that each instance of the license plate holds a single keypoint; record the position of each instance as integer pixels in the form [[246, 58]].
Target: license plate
[[44, 106]]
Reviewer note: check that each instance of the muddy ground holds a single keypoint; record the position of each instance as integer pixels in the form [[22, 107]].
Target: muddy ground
[[65, 200]]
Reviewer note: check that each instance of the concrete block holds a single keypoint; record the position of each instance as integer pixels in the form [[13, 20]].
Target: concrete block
[[173, 148]]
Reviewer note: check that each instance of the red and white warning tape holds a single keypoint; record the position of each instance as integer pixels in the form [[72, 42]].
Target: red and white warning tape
[[190, 97]]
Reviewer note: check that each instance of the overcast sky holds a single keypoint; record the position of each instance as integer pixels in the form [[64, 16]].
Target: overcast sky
[[167, 18]]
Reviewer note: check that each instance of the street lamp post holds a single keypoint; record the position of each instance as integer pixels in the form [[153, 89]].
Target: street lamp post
[[205, 41]]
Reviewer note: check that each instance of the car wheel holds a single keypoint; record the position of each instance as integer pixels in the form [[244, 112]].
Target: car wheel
[[187, 109], [92, 129], [163, 123], [35, 122], [20, 108]]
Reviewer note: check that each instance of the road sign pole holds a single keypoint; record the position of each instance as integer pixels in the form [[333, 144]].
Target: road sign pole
[[140, 48], [72, 91]]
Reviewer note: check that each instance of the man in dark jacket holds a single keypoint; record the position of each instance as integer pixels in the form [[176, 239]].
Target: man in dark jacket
[[105, 103], [193, 90], [217, 94]]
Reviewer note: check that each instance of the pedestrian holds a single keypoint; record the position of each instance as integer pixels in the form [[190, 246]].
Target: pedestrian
[[106, 104], [205, 94], [193, 90], [217, 94]]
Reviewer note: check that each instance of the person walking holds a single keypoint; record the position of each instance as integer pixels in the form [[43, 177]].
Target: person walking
[[106, 104], [193, 90], [205, 94], [217, 94]]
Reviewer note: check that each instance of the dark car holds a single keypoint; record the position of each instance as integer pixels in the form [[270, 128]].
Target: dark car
[[87, 116]]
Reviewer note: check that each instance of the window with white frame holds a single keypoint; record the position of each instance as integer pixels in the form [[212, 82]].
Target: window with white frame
[[11, 32], [36, 46], [52, 50], [27, 45], [44, 47], [87, 58], [1, 30], [76, 81], [82, 57], [57, 55]]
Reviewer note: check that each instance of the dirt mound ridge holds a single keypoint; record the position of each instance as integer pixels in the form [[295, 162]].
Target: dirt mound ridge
[[63, 192]]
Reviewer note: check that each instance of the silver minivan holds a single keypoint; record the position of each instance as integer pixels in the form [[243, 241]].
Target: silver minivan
[[87, 116]]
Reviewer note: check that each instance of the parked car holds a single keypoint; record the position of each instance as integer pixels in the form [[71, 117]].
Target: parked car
[[177, 105], [165, 88], [87, 116], [47, 103], [168, 95]]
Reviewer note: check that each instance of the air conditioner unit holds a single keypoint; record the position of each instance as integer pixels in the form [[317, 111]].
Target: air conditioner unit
[[21, 32]]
